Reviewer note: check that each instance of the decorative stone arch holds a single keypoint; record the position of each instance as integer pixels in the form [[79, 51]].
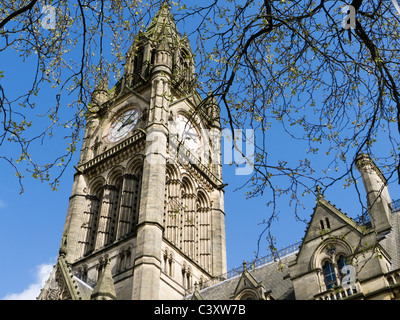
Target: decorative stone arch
[[186, 275], [184, 67], [125, 255], [203, 197], [248, 294], [96, 185], [135, 165], [331, 248], [190, 114], [248, 287], [188, 185], [168, 258], [101, 263], [329, 251], [115, 175], [82, 273], [173, 173]]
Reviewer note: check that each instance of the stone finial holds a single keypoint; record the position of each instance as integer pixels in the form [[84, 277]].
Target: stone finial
[[244, 265], [318, 191]]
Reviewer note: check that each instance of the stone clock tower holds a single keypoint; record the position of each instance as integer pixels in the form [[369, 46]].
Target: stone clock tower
[[146, 213]]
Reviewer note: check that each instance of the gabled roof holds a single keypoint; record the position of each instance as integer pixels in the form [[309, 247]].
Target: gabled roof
[[272, 276], [247, 281], [325, 207]]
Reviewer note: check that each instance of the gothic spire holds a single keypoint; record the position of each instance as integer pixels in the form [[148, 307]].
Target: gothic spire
[[163, 26]]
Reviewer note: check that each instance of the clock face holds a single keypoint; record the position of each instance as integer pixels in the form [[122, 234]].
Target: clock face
[[122, 125], [187, 133]]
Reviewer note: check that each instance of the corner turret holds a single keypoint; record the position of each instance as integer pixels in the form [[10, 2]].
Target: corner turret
[[378, 198]]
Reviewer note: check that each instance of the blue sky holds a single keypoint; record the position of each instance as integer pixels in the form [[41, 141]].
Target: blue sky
[[31, 224]]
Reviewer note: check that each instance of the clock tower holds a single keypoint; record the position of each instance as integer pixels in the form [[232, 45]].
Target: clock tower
[[146, 213]]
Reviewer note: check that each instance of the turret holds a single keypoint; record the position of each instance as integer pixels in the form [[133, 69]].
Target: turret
[[378, 198], [100, 95], [162, 57]]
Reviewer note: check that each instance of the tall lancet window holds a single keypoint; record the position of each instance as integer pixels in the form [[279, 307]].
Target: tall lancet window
[[329, 275], [188, 218], [138, 64], [109, 210], [204, 230], [129, 205], [184, 70], [90, 220], [114, 210], [172, 210]]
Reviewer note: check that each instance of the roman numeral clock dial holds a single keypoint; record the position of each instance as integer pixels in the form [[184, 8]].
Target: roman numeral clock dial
[[122, 125]]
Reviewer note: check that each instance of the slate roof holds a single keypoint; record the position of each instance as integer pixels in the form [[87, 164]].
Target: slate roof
[[272, 275], [82, 287], [391, 242]]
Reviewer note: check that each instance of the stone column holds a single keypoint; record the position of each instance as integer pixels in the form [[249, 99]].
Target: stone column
[[147, 267], [74, 219], [218, 241], [378, 198]]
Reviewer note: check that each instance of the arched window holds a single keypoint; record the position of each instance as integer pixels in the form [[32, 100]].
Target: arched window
[[188, 218], [166, 262], [115, 197], [124, 262], [91, 217], [204, 230], [138, 61], [83, 273], [329, 275], [128, 205], [330, 258], [101, 266]]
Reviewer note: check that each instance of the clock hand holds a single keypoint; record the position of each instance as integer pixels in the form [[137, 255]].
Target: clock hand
[[127, 121]]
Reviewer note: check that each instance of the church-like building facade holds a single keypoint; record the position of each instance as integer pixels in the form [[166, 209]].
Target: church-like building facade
[[146, 214]]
